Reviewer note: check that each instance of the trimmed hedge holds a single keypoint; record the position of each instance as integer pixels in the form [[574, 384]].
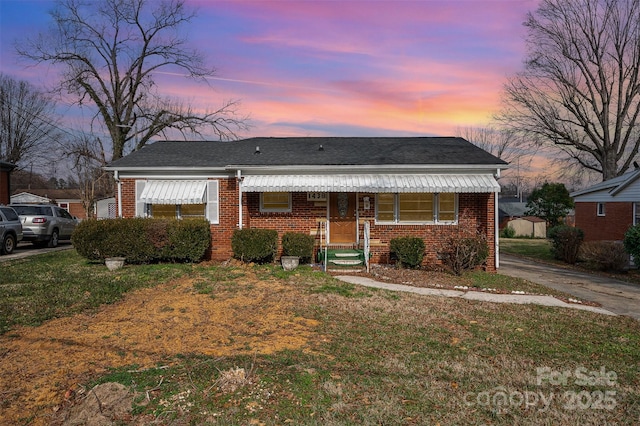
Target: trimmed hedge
[[255, 245], [297, 244], [408, 250], [143, 240]]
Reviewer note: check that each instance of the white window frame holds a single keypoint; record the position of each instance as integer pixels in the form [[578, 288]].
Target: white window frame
[[436, 212], [288, 209], [601, 209]]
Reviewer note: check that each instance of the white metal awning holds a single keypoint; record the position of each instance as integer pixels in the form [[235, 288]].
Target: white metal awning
[[459, 183], [174, 192]]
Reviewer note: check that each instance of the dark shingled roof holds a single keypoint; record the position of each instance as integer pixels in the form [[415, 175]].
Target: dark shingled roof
[[310, 151]]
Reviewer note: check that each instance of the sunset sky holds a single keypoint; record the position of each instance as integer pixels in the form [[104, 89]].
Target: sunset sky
[[334, 68]]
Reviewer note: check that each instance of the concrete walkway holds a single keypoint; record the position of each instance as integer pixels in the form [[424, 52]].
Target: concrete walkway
[[472, 295], [616, 296]]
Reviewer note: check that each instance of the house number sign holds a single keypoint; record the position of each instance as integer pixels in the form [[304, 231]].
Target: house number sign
[[316, 196]]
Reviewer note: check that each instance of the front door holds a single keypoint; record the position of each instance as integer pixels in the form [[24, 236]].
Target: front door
[[342, 218]]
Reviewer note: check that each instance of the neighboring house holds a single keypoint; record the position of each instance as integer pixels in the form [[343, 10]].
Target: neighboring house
[[333, 188], [5, 181], [606, 210], [67, 199], [508, 209], [513, 214], [105, 208]]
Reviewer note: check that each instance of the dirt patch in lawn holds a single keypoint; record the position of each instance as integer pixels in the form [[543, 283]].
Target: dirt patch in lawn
[[41, 367]]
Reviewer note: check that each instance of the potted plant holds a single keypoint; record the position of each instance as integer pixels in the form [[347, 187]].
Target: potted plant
[[114, 263], [296, 247]]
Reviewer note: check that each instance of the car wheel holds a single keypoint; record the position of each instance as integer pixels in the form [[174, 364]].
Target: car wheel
[[9, 244], [53, 241]]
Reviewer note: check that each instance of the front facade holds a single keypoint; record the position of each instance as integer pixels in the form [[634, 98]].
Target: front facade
[[605, 211], [332, 188]]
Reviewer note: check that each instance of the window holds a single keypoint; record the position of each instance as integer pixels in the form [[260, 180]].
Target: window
[[275, 202], [172, 211], [385, 207], [416, 208], [447, 207], [601, 211], [163, 211], [209, 209]]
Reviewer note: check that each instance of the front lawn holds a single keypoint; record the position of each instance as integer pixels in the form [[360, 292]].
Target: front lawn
[[237, 344], [535, 248]]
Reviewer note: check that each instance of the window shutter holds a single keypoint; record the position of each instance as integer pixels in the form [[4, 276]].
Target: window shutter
[[212, 202], [140, 210]]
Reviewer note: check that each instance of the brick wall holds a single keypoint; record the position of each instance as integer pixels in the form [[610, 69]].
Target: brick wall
[[618, 218], [5, 196], [76, 209]]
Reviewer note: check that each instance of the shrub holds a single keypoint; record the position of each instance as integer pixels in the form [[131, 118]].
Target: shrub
[[566, 241], [188, 240], [141, 240], [254, 245], [508, 232], [408, 250], [632, 241], [464, 253], [604, 255], [297, 244]]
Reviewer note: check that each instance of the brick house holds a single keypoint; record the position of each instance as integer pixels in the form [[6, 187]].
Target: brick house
[[606, 210], [68, 199], [332, 188], [5, 181]]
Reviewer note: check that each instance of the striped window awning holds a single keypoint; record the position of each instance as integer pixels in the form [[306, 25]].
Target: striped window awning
[[174, 192], [457, 183]]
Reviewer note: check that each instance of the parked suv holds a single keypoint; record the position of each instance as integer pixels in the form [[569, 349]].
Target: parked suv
[[45, 223], [10, 229]]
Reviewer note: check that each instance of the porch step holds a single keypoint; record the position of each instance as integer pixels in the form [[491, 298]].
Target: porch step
[[343, 258]]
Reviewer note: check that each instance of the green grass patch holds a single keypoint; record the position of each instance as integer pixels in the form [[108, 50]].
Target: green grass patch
[[504, 283], [51, 285], [528, 247]]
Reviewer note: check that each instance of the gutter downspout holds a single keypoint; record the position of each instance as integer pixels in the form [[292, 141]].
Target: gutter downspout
[[496, 230], [239, 176], [496, 226], [117, 179]]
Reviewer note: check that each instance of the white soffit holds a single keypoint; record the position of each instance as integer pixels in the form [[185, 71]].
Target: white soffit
[[460, 183], [174, 192]]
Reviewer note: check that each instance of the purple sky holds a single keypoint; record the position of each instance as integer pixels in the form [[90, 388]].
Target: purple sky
[[335, 68]]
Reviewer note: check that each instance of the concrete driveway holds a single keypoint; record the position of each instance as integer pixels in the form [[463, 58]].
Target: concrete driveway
[[616, 296], [27, 249]]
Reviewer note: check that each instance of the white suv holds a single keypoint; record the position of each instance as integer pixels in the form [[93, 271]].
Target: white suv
[[10, 230], [45, 223]]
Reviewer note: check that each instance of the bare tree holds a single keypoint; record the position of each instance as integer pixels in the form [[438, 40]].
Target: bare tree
[[89, 158], [27, 121], [580, 88], [503, 143], [110, 52]]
